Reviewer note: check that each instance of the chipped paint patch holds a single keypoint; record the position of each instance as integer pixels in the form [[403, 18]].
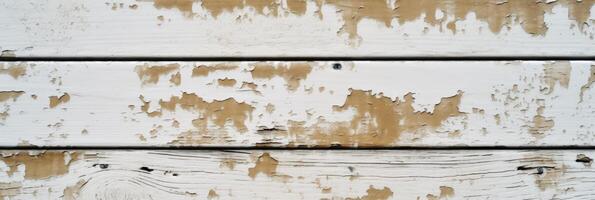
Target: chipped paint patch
[[72, 192], [445, 193], [176, 79], [228, 163], [376, 194], [150, 74], [556, 72], [499, 15], [212, 194], [265, 164], [293, 75], [55, 100], [219, 112], [183, 5], [540, 124], [41, 166], [226, 82], [261, 7], [297, 7], [7, 95], [379, 120], [203, 70], [249, 85], [15, 71], [354, 11], [146, 106]]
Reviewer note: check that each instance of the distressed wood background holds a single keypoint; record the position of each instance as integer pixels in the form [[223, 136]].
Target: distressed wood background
[[297, 99]]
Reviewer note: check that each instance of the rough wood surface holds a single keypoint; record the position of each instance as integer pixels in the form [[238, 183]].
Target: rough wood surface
[[342, 174], [277, 28], [438, 103]]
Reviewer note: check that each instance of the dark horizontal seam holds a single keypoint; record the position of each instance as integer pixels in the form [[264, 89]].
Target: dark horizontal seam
[[301, 58], [588, 147]]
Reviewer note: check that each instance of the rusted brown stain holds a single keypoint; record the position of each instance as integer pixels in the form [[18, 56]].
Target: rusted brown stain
[[40, 166], [540, 124], [14, 70], [72, 192], [227, 82], [293, 75], [589, 83], [379, 120], [375, 194], [150, 74], [203, 70], [55, 100], [7, 95], [498, 14], [265, 164], [212, 194], [556, 72]]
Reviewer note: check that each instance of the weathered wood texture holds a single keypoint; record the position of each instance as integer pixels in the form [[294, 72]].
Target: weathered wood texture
[[479, 103], [271, 28], [432, 175]]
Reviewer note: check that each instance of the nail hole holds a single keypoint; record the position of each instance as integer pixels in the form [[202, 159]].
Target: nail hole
[[102, 166], [337, 66], [146, 169]]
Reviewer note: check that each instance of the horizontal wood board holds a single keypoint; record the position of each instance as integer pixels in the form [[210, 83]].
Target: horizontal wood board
[[294, 28], [293, 104], [340, 174]]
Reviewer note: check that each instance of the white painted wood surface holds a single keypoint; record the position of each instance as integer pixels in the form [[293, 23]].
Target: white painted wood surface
[[342, 174], [473, 103], [280, 28]]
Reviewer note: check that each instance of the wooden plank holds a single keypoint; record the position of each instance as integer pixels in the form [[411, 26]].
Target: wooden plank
[[474, 103], [279, 28], [112, 174]]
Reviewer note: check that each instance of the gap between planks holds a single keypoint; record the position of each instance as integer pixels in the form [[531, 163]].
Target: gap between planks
[[298, 148], [308, 58]]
